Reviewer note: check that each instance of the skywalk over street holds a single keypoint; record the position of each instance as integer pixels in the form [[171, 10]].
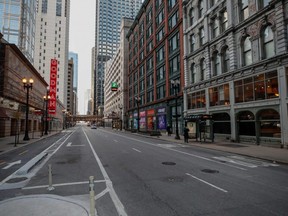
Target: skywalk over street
[[136, 174]]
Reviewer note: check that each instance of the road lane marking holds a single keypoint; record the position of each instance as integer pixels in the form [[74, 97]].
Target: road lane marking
[[61, 185], [70, 145], [218, 188], [23, 152], [118, 205], [115, 140], [136, 150], [181, 152], [98, 196], [11, 164]]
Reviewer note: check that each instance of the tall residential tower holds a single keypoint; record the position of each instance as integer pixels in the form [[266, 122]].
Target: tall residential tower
[[52, 41], [108, 20]]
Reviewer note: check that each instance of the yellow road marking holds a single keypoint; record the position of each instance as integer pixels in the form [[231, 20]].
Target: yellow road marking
[[23, 152]]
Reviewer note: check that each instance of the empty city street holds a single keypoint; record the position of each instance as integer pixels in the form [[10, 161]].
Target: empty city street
[[141, 175]]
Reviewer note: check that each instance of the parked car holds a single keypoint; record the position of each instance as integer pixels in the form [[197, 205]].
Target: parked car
[[93, 126]]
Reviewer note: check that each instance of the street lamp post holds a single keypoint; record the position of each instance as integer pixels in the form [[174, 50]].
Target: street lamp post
[[175, 86], [27, 86], [64, 116], [46, 99], [121, 120], [138, 99]]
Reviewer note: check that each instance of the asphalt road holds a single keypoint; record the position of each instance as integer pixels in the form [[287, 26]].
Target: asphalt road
[[139, 176]]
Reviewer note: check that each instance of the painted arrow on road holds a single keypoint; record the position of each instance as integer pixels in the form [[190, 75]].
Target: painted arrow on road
[[12, 164], [70, 145]]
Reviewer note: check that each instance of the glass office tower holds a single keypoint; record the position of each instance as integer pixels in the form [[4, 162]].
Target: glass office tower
[[17, 24], [107, 36]]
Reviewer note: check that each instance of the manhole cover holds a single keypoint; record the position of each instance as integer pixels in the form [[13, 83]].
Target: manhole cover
[[168, 163], [16, 180], [210, 171]]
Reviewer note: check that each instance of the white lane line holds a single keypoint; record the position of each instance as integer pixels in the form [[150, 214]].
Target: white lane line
[[61, 184], [118, 205], [102, 193], [12, 164], [181, 152], [136, 150], [70, 145], [218, 188]]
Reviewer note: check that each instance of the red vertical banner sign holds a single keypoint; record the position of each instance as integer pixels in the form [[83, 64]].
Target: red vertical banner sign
[[53, 86]]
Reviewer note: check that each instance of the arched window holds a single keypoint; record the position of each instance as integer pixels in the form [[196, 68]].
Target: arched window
[[226, 60], [247, 51], [216, 64], [202, 69], [201, 8], [192, 73], [191, 17], [267, 38]]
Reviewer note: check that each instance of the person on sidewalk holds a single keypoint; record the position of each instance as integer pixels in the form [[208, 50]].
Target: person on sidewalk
[[186, 134], [168, 130]]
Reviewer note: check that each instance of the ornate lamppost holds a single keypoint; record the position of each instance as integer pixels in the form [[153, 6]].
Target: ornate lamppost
[[64, 118], [175, 85], [46, 99], [138, 99], [121, 119], [27, 86]]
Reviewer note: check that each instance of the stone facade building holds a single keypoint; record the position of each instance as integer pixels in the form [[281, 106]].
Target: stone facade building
[[236, 68]]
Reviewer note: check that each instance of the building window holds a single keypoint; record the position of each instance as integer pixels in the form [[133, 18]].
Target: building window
[[160, 73], [191, 17], [149, 16], [224, 21], [44, 6], [196, 100], [160, 34], [192, 73], [226, 60], [202, 69], [264, 3], [244, 9], [149, 64], [150, 80], [149, 31], [158, 3], [267, 38], [216, 64], [58, 7], [150, 96], [149, 46], [212, 2], [259, 87], [160, 17], [201, 8], [173, 20], [161, 92], [174, 43], [219, 95], [192, 43], [247, 53], [174, 65], [171, 4], [160, 54], [215, 28], [202, 36]]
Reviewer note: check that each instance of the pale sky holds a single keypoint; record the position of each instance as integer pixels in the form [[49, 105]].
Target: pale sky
[[81, 41]]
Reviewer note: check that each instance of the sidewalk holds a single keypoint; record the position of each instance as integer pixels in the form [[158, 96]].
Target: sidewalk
[[8, 143], [275, 155]]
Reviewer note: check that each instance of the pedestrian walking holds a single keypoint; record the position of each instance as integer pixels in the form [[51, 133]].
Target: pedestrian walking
[[186, 134], [168, 128]]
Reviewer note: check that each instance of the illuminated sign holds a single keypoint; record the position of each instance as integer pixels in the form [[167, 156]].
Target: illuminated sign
[[114, 86], [53, 86]]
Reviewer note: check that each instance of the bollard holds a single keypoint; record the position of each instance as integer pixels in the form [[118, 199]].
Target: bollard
[[50, 187], [92, 196]]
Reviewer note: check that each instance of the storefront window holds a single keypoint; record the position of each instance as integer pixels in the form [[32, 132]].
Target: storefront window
[[222, 124], [259, 87], [196, 100], [219, 95], [269, 123], [246, 123]]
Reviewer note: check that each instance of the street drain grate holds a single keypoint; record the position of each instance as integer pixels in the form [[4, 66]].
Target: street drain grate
[[169, 163], [210, 171]]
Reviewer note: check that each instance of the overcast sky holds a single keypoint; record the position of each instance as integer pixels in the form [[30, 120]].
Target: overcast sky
[[81, 41]]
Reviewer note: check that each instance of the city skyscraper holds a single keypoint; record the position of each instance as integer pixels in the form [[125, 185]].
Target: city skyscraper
[[74, 56], [107, 36], [17, 24], [52, 40]]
